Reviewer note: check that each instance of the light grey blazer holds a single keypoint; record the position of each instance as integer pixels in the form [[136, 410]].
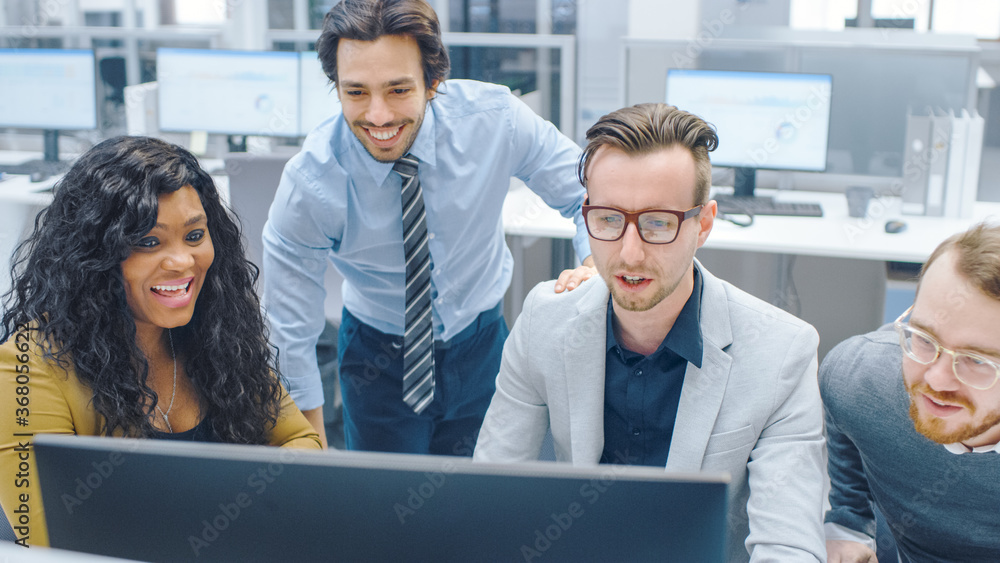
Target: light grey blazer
[[753, 410]]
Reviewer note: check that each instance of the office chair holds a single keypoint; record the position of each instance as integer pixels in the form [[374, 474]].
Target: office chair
[[112, 71], [253, 179]]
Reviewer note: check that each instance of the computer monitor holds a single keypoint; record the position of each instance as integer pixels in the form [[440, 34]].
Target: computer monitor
[[49, 89], [155, 500], [765, 120], [318, 98], [228, 92]]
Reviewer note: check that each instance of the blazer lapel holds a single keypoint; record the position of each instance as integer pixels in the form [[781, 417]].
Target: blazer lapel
[[705, 387], [583, 358]]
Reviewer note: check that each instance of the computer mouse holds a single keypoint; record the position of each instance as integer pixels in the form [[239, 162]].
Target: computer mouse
[[37, 176], [895, 226]]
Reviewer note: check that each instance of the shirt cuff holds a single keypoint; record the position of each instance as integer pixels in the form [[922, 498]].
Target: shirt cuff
[[836, 532]]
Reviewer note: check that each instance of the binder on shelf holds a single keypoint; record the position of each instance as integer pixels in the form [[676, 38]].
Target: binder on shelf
[[954, 187], [937, 169], [941, 167], [916, 163], [973, 157]]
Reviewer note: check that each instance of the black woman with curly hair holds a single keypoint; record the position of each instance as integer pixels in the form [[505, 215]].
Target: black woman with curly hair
[[133, 313]]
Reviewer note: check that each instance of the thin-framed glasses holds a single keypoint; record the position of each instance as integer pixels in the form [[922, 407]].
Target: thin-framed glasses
[[974, 370], [655, 226]]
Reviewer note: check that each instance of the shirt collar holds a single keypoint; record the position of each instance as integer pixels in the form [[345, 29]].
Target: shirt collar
[[959, 448], [423, 148], [684, 338]]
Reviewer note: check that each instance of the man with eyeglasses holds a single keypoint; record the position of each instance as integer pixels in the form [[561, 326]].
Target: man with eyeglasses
[[659, 362], [913, 417]]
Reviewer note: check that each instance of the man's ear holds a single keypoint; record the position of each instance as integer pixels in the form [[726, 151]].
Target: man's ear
[[706, 220], [432, 90]]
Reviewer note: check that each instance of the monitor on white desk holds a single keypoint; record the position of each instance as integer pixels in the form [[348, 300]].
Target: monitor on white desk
[[228, 92], [49, 89], [155, 500], [765, 120]]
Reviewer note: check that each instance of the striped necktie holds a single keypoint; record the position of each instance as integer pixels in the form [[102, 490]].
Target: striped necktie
[[418, 335]]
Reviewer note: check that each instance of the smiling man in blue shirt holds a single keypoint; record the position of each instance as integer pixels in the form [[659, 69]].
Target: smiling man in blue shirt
[[339, 199]]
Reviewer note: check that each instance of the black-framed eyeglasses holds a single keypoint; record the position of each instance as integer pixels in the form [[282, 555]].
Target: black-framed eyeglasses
[[655, 226], [974, 370]]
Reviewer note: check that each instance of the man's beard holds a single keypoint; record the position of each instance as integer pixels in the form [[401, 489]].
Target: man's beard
[[934, 428], [635, 303]]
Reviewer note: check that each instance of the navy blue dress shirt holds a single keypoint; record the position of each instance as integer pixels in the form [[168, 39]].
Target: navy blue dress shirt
[[641, 393]]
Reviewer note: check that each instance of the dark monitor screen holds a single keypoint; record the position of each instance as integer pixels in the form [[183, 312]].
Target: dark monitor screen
[[52, 89], [228, 92], [165, 501], [770, 120]]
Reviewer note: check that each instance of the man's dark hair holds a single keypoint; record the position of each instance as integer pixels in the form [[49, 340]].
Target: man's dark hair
[[645, 128], [367, 20]]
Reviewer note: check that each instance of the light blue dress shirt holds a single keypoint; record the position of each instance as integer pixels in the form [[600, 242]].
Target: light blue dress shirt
[[335, 202]]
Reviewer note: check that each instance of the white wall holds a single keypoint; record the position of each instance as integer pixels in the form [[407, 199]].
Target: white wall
[[656, 19]]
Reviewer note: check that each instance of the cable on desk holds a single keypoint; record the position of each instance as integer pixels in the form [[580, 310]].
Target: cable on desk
[[734, 218]]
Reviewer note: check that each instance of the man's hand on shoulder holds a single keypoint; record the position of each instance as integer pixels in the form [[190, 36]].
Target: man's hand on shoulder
[[571, 279], [840, 551]]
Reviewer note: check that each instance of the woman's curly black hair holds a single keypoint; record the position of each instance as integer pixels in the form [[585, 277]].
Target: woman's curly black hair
[[68, 286]]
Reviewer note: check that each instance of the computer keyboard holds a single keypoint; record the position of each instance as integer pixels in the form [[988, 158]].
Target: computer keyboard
[[758, 205]]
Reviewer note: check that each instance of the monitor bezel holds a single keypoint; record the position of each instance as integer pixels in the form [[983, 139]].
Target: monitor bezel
[[164, 93], [91, 123], [750, 165]]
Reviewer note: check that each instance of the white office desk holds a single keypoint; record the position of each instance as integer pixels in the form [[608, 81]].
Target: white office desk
[[835, 235]]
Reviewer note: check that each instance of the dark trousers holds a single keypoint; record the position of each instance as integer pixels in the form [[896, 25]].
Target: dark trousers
[[371, 380]]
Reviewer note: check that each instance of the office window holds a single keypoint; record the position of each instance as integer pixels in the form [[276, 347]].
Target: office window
[[821, 14], [531, 73], [978, 17], [904, 14], [199, 12], [511, 16], [317, 10], [281, 14]]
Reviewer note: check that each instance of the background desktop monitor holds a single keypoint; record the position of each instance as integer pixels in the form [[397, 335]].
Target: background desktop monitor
[[228, 92], [49, 89], [154, 500], [318, 99], [770, 120]]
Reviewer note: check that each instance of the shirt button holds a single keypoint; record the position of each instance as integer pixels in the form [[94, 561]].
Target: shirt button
[[635, 431], [430, 236], [638, 372]]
